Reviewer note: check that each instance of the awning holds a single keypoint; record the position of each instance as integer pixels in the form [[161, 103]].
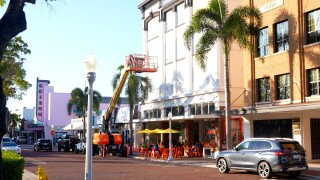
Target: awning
[[74, 126], [67, 127]]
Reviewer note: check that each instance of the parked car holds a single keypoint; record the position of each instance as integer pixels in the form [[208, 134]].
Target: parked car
[[21, 140], [6, 139], [81, 147], [43, 144], [68, 142], [267, 156], [11, 146]]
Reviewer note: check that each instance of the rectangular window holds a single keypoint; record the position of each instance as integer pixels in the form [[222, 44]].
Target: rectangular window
[[314, 82], [283, 86], [169, 46], [263, 89], [211, 108], [180, 14], [146, 115], [175, 111], [313, 20], [263, 42], [167, 110], [181, 110], [198, 109], [156, 113], [169, 20], [281, 38], [205, 108], [192, 108]]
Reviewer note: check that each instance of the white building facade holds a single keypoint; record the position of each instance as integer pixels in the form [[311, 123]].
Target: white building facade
[[194, 97]]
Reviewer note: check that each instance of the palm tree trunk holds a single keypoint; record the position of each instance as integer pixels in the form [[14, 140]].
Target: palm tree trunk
[[131, 130], [227, 94]]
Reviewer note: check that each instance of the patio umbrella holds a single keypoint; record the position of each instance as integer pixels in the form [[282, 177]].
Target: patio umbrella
[[168, 131], [145, 131], [155, 131]]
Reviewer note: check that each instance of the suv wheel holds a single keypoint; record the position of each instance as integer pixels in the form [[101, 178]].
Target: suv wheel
[[264, 170], [223, 165], [59, 148], [37, 149]]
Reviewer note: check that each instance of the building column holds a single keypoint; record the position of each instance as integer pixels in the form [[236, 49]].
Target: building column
[[201, 130], [306, 135], [189, 133]]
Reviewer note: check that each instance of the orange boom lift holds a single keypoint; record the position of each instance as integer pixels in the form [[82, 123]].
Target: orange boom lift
[[133, 63]]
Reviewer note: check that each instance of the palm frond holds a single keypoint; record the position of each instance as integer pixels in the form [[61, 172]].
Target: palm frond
[[205, 19], [187, 37], [241, 28], [219, 7], [204, 45]]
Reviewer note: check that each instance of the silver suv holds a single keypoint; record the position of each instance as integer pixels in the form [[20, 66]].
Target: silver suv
[[267, 156]]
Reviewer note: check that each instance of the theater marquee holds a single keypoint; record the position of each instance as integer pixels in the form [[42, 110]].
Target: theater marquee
[[41, 84]]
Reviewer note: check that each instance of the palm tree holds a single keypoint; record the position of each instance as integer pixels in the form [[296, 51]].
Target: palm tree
[[79, 98], [136, 88], [15, 119], [216, 24]]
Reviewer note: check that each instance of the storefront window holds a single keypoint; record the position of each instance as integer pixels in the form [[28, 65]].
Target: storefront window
[[181, 110], [192, 108], [211, 108], [146, 115], [198, 109], [205, 108]]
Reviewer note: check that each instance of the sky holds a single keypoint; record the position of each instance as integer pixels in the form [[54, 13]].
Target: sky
[[61, 37]]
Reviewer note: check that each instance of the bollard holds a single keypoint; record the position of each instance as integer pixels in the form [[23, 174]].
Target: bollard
[[42, 173]]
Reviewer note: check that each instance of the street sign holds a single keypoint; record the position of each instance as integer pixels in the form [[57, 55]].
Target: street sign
[[52, 132]]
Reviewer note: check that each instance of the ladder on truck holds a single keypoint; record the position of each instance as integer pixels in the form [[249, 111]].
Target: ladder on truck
[[134, 63]]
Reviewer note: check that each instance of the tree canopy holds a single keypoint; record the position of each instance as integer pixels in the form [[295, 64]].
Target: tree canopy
[[12, 71]]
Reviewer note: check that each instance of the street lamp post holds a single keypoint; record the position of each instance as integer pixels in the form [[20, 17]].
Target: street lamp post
[[170, 158], [90, 66]]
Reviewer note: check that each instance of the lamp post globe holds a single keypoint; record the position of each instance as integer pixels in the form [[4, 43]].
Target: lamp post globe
[[90, 67], [170, 158]]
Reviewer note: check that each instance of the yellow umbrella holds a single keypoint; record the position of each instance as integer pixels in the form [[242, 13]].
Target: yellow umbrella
[[155, 131], [145, 131], [168, 131]]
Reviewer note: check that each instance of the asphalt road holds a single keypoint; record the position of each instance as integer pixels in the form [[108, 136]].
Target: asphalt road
[[71, 166]]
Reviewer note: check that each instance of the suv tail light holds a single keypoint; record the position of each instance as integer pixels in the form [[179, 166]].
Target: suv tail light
[[280, 153]]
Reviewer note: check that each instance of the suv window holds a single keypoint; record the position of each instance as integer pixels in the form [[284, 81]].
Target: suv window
[[243, 146], [255, 145], [259, 145], [45, 141], [291, 146]]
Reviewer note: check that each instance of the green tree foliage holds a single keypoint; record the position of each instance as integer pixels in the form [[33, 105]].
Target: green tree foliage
[[12, 71], [12, 23], [136, 88], [79, 99], [15, 119], [214, 23], [2, 2]]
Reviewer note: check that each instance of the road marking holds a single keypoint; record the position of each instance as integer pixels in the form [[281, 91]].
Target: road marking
[[36, 162]]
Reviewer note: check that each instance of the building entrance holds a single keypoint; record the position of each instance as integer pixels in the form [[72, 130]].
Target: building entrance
[[315, 140]]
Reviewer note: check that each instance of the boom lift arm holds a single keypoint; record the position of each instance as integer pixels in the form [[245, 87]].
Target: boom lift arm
[[134, 63]]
